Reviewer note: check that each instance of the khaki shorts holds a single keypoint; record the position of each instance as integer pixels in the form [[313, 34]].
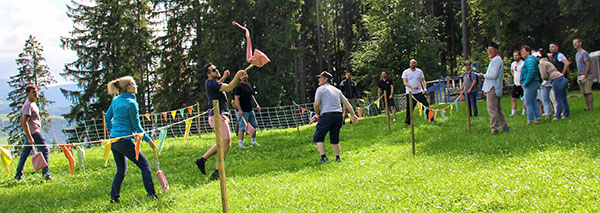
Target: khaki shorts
[[585, 84], [225, 134]]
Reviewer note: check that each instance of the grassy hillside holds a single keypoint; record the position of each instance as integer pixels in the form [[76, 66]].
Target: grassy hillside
[[551, 166]]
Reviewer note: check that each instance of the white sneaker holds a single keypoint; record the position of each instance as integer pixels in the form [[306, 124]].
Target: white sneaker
[[394, 119], [512, 114]]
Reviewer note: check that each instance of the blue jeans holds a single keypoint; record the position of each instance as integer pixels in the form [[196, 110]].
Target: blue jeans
[[125, 148], [545, 98], [38, 139], [249, 117], [533, 110], [472, 97], [559, 86]]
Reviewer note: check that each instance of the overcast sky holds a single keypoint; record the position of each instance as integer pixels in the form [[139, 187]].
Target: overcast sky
[[44, 19]]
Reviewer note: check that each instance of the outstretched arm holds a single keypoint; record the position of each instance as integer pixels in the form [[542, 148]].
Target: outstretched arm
[[229, 87]]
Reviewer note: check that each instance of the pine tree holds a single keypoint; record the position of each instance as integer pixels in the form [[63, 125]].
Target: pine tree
[[31, 71]]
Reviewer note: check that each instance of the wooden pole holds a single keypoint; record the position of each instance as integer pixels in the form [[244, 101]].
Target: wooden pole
[[104, 124], [220, 155], [468, 112], [198, 123], [387, 111], [412, 126], [295, 121]]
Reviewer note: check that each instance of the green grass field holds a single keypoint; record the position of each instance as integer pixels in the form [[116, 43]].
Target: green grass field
[[548, 167]]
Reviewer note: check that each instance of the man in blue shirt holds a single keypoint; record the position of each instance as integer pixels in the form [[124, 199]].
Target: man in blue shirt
[[470, 88], [215, 90]]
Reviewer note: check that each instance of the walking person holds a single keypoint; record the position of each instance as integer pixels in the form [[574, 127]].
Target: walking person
[[32, 129], [550, 74], [517, 90], [243, 96], [414, 81], [328, 108], [582, 59], [123, 119], [215, 90], [470, 88], [492, 86], [348, 87], [530, 79], [387, 85]]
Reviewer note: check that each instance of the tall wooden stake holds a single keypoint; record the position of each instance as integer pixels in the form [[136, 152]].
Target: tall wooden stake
[[220, 155], [104, 124], [295, 120], [198, 123], [468, 112], [412, 126], [387, 111]]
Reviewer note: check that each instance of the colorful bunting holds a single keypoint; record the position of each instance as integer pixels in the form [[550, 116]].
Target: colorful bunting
[[360, 113], [81, 156], [430, 114], [164, 114], [181, 112], [106, 144], [69, 154], [138, 144], [420, 108], [173, 114], [163, 135], [5, 157], [303, 110], [155, 118], [147, 116], [443, 115], [451, 108], [188, 125], [377, 102], [190, 110]]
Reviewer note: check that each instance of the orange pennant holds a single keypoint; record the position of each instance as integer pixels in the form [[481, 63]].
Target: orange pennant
[[190, 110], [164, 114], [147, 116], [303, 110], [69, 154], [430, 115], [138, 144], [360, 113]]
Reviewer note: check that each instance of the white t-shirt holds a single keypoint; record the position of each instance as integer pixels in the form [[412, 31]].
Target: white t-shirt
[[331, 98], [413, 78], [516, 68]]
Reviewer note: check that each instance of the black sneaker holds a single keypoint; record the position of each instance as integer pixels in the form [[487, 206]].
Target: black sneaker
[[152, 196], [338, 160], [324, 160], [200, 163], [214, 176], [114, 200], [48, 177], [506, 129], [18, 178]]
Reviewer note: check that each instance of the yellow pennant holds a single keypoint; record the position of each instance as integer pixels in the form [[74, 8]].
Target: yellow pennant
[[173, 114], [377, 103], [188, 125], [147, 116], [106, 144], [451, 107], [420, 106], [435, 115], [6, 158]]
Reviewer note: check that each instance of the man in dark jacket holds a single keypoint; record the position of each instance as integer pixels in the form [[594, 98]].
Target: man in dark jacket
[[348, 88]]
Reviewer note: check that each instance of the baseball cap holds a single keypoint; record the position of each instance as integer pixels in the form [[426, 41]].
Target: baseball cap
[[537, 54], [326, 75]]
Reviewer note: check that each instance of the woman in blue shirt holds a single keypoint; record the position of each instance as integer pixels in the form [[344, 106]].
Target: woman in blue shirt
[[122, 119]]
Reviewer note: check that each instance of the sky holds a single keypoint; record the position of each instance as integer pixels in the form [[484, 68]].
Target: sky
[[47, 21]]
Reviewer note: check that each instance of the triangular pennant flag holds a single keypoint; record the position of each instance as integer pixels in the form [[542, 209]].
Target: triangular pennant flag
[[188, 124], [190, 110], [173, 114], [310, 114], [430, 115], [435, 114], [451, 108], [455, 103], [69, 154], [164, 114], [425, 114], [181, 112], [147, 116], [443, 115], [138, 144], [106, 144], [5, 157], [360, 113], [155, 118], [420, 106], [163, 135], [81, 156], [303, 110], [377, 103]]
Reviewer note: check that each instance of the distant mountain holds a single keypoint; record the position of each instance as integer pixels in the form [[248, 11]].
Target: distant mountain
[[61, 105]]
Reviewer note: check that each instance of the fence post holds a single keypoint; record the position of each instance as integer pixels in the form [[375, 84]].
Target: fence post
[[412, 126], [220, 155], [387, 111], [198, 123], [104, 124]]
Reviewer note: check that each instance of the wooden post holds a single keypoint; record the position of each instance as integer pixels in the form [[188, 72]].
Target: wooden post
[[387, 111], [412, 126], [198, 124], [104, 124], [220, 155], [295, 121], [468, 114]]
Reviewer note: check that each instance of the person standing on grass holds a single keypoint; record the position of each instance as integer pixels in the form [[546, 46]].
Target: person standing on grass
[[414, 81], [243, 96], [123, 119], [559, 60], [469, 86], [550, 74], [530, 79], [328, 111], [517, 90], [582, 59], [492, 86], [32, 128], [544, 90], [386, 84], [348, 87], [215, 90]]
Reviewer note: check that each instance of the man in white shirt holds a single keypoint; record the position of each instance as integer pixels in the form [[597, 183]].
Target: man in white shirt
[[517, 90], [414, 81]]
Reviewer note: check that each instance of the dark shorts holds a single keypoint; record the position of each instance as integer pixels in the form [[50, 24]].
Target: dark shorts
[[517, 91], [329, 122], [391, 103]]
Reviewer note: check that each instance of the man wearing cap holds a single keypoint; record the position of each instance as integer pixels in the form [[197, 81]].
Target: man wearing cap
[[582, 59], [414, 81], [387, 85], [348, 87], [470, 88], [492, 86], [328, 109]]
